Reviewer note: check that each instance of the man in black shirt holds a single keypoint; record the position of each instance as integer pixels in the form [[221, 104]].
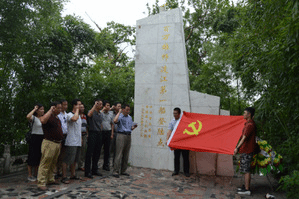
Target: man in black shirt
[[94, 141]]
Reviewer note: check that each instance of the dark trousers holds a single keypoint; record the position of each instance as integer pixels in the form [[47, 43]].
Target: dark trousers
[[93, 152], [106, 140], [177, 155], [35, 152], [113, 146]]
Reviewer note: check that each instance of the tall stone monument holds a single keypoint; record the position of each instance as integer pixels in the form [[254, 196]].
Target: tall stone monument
[[161, 83]]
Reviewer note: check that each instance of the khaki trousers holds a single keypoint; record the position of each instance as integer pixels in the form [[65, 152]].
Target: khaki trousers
[[83, 151], [50, 153], [123, 145]]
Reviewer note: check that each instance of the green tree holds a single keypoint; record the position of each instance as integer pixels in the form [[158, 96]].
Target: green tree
[[43, 61], [20, 21], [112, 75], [265, 58], [46, 57]]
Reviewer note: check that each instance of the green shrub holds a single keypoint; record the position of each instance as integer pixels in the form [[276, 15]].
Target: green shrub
[[19, 149], [1, 149], [290, 184]]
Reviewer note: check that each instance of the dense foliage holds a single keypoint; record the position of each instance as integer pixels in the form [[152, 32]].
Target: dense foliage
[[46, 57]]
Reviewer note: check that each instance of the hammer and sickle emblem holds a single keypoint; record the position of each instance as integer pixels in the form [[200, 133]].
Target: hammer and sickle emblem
[[195, 131]]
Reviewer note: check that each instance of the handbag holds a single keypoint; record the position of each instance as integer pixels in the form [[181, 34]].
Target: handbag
[[256, 149], [29, 133]]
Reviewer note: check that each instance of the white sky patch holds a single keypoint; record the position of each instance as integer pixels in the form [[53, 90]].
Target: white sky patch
[[119, 11], [123, 12]]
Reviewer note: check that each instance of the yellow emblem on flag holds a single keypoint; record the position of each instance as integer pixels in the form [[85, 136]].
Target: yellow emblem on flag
[[195, 131]]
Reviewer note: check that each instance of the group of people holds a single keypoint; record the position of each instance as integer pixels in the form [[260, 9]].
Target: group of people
[[60, 140]]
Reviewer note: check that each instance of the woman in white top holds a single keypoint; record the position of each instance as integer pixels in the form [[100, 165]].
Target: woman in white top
[[34, 154]]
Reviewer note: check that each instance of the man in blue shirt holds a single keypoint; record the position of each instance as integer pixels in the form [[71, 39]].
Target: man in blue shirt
[[123, 140], [177, 152]]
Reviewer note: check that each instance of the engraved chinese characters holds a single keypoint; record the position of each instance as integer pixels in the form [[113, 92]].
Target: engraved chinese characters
[[146, 121], [162, 123]]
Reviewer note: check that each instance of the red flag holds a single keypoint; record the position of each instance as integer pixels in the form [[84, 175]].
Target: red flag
[[207, 133]]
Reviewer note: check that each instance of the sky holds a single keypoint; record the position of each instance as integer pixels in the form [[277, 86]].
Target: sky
[[119, 11], [125, 12]]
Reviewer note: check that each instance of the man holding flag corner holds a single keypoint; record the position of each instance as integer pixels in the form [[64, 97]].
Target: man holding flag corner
[[177, 152], [246, 148]]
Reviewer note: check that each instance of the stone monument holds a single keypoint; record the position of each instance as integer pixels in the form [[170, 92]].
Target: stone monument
[[161, 84]]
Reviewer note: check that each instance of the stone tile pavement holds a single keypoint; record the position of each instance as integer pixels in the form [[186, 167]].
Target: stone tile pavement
[[142, 183]]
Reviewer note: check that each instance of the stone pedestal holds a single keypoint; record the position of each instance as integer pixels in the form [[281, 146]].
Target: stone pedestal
[[6, 156]]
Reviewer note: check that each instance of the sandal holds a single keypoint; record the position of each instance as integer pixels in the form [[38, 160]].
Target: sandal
[[75, 178], [65, 181]]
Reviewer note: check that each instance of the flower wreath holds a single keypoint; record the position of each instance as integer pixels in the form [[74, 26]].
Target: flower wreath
[[265, 161]]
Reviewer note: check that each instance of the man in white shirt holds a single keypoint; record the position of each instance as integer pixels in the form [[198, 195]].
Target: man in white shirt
[[177, 152], [72, 142], [62, 117]]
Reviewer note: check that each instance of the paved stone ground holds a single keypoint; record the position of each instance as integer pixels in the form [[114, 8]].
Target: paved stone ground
[[142, 183]]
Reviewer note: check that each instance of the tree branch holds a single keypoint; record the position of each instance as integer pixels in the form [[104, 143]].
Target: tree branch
[[94, 22], [189, 34], [114, 61]]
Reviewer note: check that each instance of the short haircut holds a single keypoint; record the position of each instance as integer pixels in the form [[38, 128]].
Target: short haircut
[[177, 109], [39, 106], [106, 102], [97, 100], [125, 105], [62, 100], [117, 103], [251, 110], [75, 102], [55, 103]]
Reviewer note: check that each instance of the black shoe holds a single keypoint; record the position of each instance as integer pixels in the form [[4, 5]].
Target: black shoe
[[116, 175], [175, 173], [97, 173], [58, 176], [106, 168], [241, 188], [187, 174], [244, 192], [89, 176], [53, 183], [125, 174]]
